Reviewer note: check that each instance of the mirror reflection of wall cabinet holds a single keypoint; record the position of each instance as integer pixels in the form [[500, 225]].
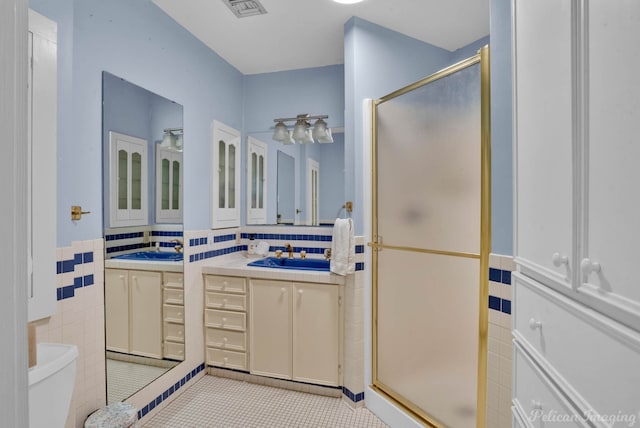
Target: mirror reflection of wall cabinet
[[256, 181], [168, 185], [41, 147], [225, 176], [286, 188], [128, 180]]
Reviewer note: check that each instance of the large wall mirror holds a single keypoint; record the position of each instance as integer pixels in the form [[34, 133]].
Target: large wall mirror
[[292, 197], [142, 138]]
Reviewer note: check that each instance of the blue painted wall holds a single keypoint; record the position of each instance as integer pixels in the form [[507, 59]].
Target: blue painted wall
[[134, 40], [379, 61]]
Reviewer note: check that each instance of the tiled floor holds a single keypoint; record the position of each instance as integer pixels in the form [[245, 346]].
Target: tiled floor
[[216, 402], [125, 378]]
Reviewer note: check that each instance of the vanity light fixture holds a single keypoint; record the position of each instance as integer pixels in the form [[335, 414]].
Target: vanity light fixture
[[172, 138], [302, 133]]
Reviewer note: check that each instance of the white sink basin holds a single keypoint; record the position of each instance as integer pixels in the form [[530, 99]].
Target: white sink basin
[[51, 383]]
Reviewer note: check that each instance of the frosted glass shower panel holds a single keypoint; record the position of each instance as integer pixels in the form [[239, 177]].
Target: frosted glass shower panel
[[428, 184], [427, 339]]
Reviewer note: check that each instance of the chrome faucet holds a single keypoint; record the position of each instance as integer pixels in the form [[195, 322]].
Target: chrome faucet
[[290, 250], [178, 246]]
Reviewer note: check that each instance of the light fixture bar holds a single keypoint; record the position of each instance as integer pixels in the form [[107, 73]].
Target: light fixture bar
[[302, 117]]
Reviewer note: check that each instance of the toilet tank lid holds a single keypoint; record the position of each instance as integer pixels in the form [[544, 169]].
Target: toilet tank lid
[[52, 357]]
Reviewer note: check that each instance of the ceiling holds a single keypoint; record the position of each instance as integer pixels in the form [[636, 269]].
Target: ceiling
[[309, 33]]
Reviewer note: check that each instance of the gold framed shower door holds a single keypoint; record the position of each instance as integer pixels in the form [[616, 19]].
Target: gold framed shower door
[[405, 256]]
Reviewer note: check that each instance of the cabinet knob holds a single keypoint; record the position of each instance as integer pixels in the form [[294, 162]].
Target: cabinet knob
[[588, 266], [282, 290], [121, 277], [300, 292], [224, 339], [224, 302], [534, 324], [224, 320], [559, 260], [536, 405]]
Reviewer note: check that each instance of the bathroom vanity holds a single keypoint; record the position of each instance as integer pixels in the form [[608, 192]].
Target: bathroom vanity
[[146, 301], [280, 323]]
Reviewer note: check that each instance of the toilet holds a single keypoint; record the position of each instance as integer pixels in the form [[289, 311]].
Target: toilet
[[51, 383]]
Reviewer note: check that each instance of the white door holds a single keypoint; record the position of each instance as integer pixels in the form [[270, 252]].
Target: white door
[[146, 314], [116, 300], [313, 190], [270, 332], [225, 176], [543, 129], [316, 334], [612, 150]]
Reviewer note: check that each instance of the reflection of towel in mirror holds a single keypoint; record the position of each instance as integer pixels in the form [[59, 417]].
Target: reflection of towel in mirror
[[343, 247]]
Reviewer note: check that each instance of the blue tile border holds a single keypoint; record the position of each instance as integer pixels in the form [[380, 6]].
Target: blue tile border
[[353, 397], [66, 266], [287, 237], [499, 275], [167, 393], [500, 305]]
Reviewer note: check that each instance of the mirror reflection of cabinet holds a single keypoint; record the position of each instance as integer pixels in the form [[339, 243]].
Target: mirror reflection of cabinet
[[168, 185], [226, 176], [286, 188], [256, 181], [128, 180]]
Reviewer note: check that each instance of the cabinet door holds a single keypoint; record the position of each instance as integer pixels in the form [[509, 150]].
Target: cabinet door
[[168, 185], [116, 299], [226, 176], [543, 130], [270, 331], [316, 334], [127, 181], [146, 314], [612, 174]]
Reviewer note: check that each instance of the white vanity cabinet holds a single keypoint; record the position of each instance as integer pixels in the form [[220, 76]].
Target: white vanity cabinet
[[133, 323], [295, 331], [225, 319], [576, 296], [173, 315]]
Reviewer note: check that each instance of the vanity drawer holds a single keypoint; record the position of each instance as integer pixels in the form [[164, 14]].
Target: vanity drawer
[[584, 350], [225, 319], [231, 302], [174, 351], [173, 296], [228, 284], [228, 359], [173, 313], [174, 332], [173, 279], [226, 339], [541, 403]]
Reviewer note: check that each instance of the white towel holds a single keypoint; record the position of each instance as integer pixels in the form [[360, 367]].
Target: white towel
[[343, 251], [263, 248]]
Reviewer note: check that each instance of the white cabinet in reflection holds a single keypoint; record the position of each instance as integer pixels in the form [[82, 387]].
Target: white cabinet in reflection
[[168, 185], [256, 181], [133, 322], [128, 180]]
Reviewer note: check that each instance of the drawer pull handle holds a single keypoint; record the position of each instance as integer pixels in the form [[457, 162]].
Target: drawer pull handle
[[224, 320], [536, 405], [282, 290], [588, 267], [224, 302], [300, 292], [559, 260], [533, 324]]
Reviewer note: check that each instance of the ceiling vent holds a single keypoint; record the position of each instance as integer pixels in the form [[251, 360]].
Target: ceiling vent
[[244, 8]]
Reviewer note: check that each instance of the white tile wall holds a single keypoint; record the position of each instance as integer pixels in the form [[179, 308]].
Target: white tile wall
[[499, 366], [79, 320]]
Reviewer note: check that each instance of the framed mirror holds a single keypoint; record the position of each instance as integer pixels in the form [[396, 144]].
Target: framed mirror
[[142, 191]]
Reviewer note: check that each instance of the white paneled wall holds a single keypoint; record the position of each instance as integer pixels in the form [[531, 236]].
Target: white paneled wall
[[79, 320]]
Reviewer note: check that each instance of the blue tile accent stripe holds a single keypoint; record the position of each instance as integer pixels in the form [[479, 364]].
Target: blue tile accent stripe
[[166, 394], [287, 237], [66, 266], [353, 397], [173, 233], [500, 305], [498, 275], [216, 253], [119, 236]]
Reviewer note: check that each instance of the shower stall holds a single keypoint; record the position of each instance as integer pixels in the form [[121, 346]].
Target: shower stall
[[431, 244]]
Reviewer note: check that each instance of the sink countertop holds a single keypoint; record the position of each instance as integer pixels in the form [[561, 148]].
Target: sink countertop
[[236, 265], [154, 265]]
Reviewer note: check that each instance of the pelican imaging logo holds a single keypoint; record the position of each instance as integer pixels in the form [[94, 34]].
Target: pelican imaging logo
[[619, 419]]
